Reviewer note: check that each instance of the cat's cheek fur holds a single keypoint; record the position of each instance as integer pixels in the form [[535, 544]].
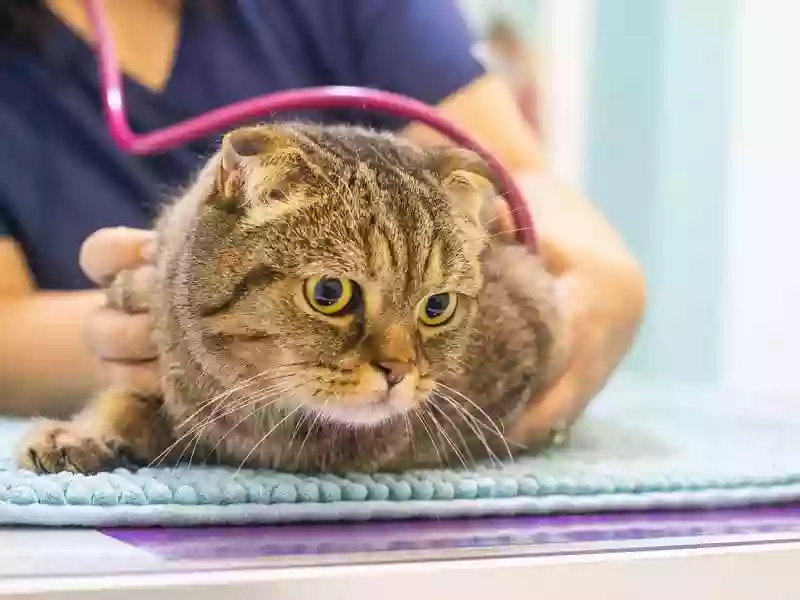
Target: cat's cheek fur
[[442, 350], [275, 330]]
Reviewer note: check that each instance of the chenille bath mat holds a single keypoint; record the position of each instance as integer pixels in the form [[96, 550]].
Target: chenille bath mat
[[637, 449]]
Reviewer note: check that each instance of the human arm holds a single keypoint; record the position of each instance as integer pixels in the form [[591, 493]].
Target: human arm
[[53, 344], [45, 366]]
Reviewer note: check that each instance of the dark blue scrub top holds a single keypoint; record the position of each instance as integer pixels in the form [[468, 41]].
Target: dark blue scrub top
[[61, 176]]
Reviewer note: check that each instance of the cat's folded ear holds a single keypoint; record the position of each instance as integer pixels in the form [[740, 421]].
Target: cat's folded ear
[[467, 179], [242, 150]]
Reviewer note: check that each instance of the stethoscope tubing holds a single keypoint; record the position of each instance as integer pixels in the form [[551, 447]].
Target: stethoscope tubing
[[268, 105]]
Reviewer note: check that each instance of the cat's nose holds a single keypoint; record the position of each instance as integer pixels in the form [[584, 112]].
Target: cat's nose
[[393, 370]]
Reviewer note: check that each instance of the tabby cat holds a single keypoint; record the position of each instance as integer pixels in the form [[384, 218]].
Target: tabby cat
[[328, 299]]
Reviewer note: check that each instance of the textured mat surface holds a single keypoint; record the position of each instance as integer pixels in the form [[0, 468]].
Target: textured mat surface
[[637, 449]]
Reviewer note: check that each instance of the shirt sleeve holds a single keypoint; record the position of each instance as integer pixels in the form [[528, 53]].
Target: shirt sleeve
[[418, 48], [15, 178], [5, 230]]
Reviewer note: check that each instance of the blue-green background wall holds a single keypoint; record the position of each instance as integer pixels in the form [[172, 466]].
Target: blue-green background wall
[[657, 98]]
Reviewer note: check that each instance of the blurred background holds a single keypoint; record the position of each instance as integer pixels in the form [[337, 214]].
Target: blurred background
[[679, 118]]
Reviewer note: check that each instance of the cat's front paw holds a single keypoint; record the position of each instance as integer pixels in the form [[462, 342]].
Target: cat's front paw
[[56, 446]]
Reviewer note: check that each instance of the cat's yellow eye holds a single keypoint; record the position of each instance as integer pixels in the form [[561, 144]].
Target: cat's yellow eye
[[438, 309], [330, 296]]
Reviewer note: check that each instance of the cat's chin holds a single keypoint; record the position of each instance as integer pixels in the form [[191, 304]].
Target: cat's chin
[[366, 415], [368, 411]]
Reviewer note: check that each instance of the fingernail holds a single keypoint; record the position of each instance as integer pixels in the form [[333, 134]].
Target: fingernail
[[149, 250]]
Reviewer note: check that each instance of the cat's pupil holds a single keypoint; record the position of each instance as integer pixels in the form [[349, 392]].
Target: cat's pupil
[[328, 292], [437, 305]]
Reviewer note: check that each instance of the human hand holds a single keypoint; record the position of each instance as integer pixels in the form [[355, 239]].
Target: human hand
[[600, 290], [119, 333]]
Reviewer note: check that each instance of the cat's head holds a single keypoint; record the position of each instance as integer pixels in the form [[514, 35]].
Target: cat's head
[[341, 265]]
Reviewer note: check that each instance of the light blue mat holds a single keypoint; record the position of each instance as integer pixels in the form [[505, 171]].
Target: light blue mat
[[637, 449]]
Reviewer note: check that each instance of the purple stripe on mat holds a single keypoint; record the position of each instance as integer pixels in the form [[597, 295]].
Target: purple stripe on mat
[[236, 543]]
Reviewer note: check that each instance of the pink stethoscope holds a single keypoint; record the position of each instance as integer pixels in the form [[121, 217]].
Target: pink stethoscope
[[225, 117]]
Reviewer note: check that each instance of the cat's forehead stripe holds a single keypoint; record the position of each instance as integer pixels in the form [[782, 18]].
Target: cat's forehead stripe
[[363, 206], [433, 269], [381, 253]]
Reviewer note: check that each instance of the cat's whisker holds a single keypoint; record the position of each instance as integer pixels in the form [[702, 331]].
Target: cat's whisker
[[216, 415], [471, 422], [243, 404], [196, 431], [278, 382], [196, 440], [486, 416], [421, 418], [486, 238], [438, 431], [221, 404], [260, 408], [410, 434], [505, 232], [512, 211], [194, 449], [466, 413], [443, 433], [200, 427], [457, 431], [297, 427], [194, 436], [266, 435], [489, 419], [309, 430], [233, 389], [206, 424], [216, 399]]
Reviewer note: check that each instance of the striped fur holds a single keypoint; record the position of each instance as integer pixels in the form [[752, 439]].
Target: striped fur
[[252, 375]]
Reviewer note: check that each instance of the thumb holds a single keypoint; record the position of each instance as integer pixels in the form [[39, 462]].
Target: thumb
[[109, 251]]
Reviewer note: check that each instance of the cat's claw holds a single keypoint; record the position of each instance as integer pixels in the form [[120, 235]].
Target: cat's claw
[[54, 447]]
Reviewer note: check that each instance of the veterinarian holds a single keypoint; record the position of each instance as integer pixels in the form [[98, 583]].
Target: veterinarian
[[62, 178]]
